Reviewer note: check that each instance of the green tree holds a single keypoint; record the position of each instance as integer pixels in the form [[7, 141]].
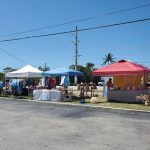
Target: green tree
[[2, 76], [87, 73], [90, 65], [44, 68], [108, 59], [72, 67], [8, 69]]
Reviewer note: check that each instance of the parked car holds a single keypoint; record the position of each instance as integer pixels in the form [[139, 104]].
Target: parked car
[[101, 83]]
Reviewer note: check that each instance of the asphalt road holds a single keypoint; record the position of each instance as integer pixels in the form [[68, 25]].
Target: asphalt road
[[34, 126]]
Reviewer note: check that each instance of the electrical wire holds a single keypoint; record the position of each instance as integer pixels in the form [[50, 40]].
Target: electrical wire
[[72, 31], [14, 57], [78, 20]]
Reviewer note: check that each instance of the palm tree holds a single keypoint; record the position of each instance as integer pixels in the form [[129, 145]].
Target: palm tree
[[108, 59]]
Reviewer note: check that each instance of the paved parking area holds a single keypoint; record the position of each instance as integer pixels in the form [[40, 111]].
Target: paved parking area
[[34, 126]]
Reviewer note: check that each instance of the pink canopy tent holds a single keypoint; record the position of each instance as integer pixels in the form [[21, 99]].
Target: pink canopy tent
[[121, 67]]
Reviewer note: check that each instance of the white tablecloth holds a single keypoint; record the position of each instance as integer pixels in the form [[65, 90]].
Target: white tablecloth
[[46, 95]]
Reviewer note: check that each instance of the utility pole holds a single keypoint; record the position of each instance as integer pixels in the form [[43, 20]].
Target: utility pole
[[76, 54], [76, 48], [44, 66]]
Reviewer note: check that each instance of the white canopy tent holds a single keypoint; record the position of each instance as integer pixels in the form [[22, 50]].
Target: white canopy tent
[[26, 72]]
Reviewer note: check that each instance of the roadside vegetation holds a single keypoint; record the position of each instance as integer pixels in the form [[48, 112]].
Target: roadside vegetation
[[103, 102]]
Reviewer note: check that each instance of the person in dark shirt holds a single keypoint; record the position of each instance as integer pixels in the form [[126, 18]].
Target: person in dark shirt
[[109, 84]]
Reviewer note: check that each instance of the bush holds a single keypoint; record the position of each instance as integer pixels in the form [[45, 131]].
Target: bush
[[144, 98]]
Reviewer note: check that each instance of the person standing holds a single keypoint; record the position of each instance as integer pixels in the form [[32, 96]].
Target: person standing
[[109, 84]]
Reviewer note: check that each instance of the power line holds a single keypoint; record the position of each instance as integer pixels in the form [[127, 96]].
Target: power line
[[72, 31], [116, 24], [14, 57], [128, 9], [78, 20]]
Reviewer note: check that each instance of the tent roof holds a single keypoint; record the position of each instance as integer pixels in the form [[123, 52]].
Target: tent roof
[[62, 71], [121, 67], [27, 71]]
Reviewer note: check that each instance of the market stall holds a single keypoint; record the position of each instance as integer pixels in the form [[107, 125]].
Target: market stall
[[64, 74], [53, 93], [129, 80], [23, 76], [26, 72]]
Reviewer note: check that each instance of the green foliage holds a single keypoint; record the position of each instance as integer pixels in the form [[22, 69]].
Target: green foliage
[[2, 76], [108, 59], [87, 72], [44, 68], [8, 69], [90, 65]]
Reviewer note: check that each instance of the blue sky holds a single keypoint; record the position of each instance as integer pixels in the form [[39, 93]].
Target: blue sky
[[131, 42]]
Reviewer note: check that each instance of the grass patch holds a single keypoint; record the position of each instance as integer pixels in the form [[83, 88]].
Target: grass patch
[[101, 102], [125, 105], [17, 97], [22, 97], [104, 102]]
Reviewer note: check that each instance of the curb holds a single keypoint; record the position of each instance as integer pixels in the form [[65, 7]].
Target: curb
[[74, 105]]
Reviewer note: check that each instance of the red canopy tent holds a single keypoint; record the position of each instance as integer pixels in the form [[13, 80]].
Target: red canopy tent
[[121, 67], [128, 79]]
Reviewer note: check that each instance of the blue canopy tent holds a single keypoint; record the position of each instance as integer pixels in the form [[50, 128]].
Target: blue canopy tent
[[62, 72]]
